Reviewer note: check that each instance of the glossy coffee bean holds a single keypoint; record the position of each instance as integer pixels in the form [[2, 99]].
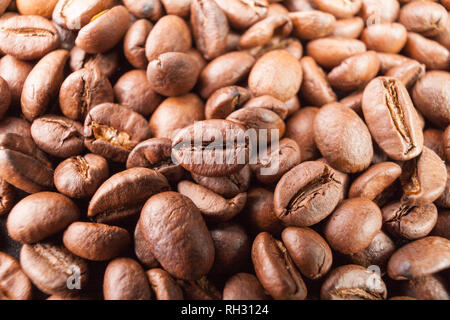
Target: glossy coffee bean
[[74, 16], [427, 51], [134, 43], [426, 17], [385, 37], [163, 285], [315, 87], [107, 63], [408, 73], [261, 33], [226, 100], [13, 281], [431, 287], [243, 14], [311, 25], [14, 72], [7, 195], [340, 9], [151, 9], [243, 286]]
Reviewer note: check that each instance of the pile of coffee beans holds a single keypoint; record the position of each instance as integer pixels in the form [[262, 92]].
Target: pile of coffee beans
[[224, 149]]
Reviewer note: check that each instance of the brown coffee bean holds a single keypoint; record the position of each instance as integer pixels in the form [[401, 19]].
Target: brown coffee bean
[[420, 258], [433, 287], [309, 251], [444, 200], [104, 30], [391, 60], [352, 282], [107, 63], [173, 74], [5, 97], [176, 113], [199, 290], [232, 249], [244, 286], [291, 45], [7, 195], [276, 270], [125, 280], [408, 73], [79, 177], [42, 84], [213, 206], [375, 181], [210, 28], [170, 34], [83, 90], [225, 100], [337, 130], [277, 74], [298, 5], [260, 34], [51, 213], [28, 37], [340, 9], [277, 161], [172, 224], [23, 165], [151, 9], [227, 155], [426, 51], [315, 88], [58, 136], [353, 225], [4, 5], [432, 139], [355, 72], [14, 284], [385, 37], [391, 118], [310, 25], [224, 71], [42, 8], [348, 28], [177, 7], [75, 15], [408, 221], [141, 245], [52, 268], [307, 194], [425, 17], [431, 95], [163, 285], [423, 178], [374, 11], [292, 105], [241, 13], [14, 72], [95, 241], [66, 37], [442, 228], [354, 102], [444, 36], [124, 194], [376, 254], [228, 186], [330, 52], [134, 43], [112, 131]]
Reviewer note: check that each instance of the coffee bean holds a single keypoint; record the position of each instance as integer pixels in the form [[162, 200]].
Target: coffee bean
[[107, 63], [243, 286], [262, 32], [311, 25], [7, 195], [340, 9], [173, 224], [151, 9], [14, 284], [134, 43], [42, 8], [444, 200], [408, 73], [426, 51], [226, 100], [442, 225], [432, 139], [374, 11], [201, 290], [141, 245], [14, 72], [74, 16], [163, 285], [431, 287], [385, 37], [427, 18], [177, 7]]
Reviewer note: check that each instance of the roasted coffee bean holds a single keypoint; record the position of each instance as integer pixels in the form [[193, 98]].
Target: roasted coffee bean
[[391, 118], [112, 131], [213, 206], [376, 254], [171, 223], [431, 95], [134, 43], [260, 34], [163, 285], [42, 84], [307, 194], [374, 11], [226, 100], [125, 280], [14, 284], [75, 15], [226, 70], [107, 63], [309, 251], [242, 14], [124, 194], [311, 25], [425, 17], [151, 9], [277, 161], [391, 60], [52, 267], [23, 165], [66, 37], [7, 196], [58, 136], [212, 148], [141, 245], [433, 287], [423, 178], [353, 225], [355, 72], [79, 177], [420, 258], [176, 113], [348, 28], [232, 248], [177, 7], [352, 282], [340, 9], [28, 37], [210, 28], [50, 214], [442, 225], [42, 8], [343, 138], [427, 51], [104, 30], [315, 86], [14, 72], [432, 139], [375, 181], [444, 200], [276, 270], [408, 73], [83, 90], [173, 74], [270, 103], [244, 286], [200, 290], [385, 37], [95, 241], [409, 222], [228, 186], [5, 97]]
